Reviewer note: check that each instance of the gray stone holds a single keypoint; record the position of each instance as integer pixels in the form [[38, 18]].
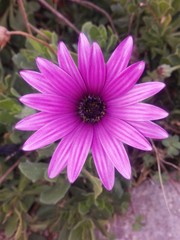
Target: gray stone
[[148, 217]]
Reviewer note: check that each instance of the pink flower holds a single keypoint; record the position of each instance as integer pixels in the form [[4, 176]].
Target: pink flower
[[95, 107]]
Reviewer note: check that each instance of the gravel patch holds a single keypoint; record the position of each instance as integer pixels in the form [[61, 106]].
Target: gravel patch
[[148, 217]]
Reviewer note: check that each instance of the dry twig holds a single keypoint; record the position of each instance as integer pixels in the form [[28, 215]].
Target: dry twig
[[160, 176], [24, 15], [4, 176], [27, 35], [98, 9], [59, 15]]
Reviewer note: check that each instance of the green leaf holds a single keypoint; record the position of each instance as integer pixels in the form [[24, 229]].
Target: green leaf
[[103, 32], [149, 160], [10, 105], [55, 193], [172, 151], [84, 206], [177, 145], [138, 223], [64, 233], [35, 236], [33, 171], [6, 194], [46, 151], [26, 111], [36, 46], [97, 185], [163, 7], [83, 230], [86, 27], [11, 225]]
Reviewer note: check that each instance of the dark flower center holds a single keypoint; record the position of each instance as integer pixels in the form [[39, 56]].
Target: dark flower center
[[91, 109]]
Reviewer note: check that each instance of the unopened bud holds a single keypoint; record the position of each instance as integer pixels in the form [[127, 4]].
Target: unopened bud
[[4, 37], [164, 70]]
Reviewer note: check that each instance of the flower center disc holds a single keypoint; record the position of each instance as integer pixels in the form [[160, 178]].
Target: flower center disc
[[91, 109]]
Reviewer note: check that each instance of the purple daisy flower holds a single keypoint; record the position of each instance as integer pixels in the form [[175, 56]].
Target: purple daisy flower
[[95, 107]]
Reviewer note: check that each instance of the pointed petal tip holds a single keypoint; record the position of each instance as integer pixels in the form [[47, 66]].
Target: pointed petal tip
[[166, 114], [129, 40], [162, 85], [40, 61], [72, 178], [166, 135], [25, 148], [61, 45], [108, 187], [163, 135], [126, 173], [82, 35], [17, 126], [28, 147], [83, 38], [141, 65], [127, 176], [51, 174], [22, 73], [148, 148], [23, 99]]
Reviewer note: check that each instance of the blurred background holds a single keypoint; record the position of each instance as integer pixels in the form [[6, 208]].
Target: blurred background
[[37, 208]]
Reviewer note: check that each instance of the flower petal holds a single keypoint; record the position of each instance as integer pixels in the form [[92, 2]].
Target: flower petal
[[47, 103], [119, 59], [115, 151], [51, 132], [62, 82], [80, 148], [60, 157], [150, 129], [68, 65], [84, 49], [97, 70], [37, 81], [126, 133], [103, 165], [138, 93], [138, 112], [35, 121], [124, 82]]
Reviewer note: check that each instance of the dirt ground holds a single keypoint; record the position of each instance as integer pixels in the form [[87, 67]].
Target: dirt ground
[[148, 218]]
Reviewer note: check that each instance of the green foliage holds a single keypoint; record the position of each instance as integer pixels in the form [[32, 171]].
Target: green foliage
[[138, 223], [33, 171], [104, 36], [53, 194], [30, 202], [173, 145]]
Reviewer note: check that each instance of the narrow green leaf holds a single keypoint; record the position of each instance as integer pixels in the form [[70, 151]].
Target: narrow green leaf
[[11, 225]]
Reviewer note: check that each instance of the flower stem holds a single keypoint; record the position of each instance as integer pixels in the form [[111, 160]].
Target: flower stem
[[27, 35]]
